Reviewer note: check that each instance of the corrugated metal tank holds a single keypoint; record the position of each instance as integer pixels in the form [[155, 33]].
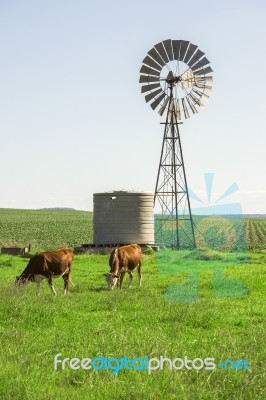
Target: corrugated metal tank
[[123, 217]]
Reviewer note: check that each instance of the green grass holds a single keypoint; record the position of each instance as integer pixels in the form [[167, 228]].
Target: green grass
[[91, 322], [199, 303]]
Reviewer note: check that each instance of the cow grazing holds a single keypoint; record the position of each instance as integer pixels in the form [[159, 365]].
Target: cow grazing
[[48, 265], [124, 259]]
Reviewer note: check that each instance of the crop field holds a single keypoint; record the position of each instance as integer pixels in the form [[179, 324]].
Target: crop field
[[45, 229], [224, 233], [256, 233], [193, 305]]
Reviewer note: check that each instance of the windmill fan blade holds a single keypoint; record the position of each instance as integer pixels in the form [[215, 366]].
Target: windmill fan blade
[[148, 70], [148, 78], [146, 88], [170, 110], [191, 105], [157, 101], [150, 96], [187, 84], [174, 118], [204, 87], [178, 113], [200, 64], [203, 71], [208, 78], [203, 79], [201, 94], [148, 61], [190, 51], [171, 107], [183, 49], [162, 109], [187, 79], [176, 47], [196, 100], [168, 47], [185, 109], [154, 54], [195, 57], [159, 47], [205, 97]]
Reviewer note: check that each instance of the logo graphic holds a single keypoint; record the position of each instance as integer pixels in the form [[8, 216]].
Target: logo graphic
[[145, 363], [221, 244]]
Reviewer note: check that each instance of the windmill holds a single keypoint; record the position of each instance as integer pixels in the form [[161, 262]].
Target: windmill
[[175, 78]]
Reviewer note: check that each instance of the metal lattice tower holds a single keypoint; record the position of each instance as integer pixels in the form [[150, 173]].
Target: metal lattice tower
[[171, 191], [174, 73]]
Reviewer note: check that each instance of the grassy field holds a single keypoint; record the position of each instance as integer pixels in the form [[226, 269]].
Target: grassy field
[[194, 304]]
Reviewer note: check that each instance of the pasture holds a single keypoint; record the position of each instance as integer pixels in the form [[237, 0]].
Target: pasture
[[194, 304]]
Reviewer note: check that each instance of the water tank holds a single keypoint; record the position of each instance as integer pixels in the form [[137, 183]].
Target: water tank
[[123, 217]]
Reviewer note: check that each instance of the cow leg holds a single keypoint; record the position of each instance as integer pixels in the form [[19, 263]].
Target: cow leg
[[139, 274], [38, 280], [66, 283], [50, 282], [121, 277], [38, 287], [130, 279]]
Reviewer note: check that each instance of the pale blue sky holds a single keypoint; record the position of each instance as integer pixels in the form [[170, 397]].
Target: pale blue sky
[[73, 121]]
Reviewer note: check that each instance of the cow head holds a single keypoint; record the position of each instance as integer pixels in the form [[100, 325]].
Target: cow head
[[22, 280], [111, 280]]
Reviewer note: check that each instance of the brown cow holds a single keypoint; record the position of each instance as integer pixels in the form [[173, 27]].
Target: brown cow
[[48, 265], [124, 259]]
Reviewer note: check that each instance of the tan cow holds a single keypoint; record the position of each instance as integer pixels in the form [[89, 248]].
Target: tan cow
[[48, 265], [124, 259]]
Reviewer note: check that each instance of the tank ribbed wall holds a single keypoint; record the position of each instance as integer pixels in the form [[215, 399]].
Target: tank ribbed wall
[[123, 217]]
